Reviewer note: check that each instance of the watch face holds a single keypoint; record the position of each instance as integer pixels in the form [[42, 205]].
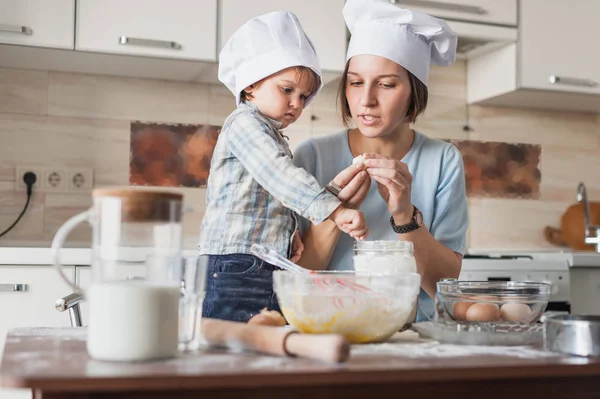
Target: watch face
[[419, 218]]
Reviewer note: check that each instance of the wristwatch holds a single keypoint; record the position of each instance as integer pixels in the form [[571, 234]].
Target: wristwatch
[[415, 223]]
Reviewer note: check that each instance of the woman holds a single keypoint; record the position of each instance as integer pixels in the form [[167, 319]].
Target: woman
[[418, 183]]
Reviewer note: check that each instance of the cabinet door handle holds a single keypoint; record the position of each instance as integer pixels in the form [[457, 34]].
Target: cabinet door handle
[[16, 29], [565, 80], [149, 43], [444, 6], [13, 287]]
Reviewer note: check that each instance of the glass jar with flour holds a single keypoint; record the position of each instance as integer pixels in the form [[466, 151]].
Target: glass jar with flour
[[136, 273], [384, 257]]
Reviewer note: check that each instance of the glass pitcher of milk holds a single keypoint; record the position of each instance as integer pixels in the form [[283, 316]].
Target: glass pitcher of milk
[[136, 273]]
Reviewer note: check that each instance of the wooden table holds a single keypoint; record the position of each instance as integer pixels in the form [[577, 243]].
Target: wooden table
[[53, 362]]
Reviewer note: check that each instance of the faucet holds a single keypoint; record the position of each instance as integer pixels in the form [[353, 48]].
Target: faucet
[[592, 233], [71, 303]]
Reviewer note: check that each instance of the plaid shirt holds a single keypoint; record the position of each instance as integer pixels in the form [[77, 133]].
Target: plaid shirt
[[254, 188]]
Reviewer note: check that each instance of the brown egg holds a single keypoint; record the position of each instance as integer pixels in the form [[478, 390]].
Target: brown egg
[[483, 312], [460, 310], [517, 312], [268, 318]]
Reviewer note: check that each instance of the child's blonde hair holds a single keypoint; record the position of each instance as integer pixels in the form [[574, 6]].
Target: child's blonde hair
[[302, 73]]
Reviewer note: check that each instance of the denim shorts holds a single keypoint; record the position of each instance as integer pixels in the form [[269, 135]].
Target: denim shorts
[[238, 286]]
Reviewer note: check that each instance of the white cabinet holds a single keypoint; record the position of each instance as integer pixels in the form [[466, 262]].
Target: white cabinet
[[32, 307], [501, 12], [557, 40], [178, 29], [322, 20], [39, 23], [555, 64]]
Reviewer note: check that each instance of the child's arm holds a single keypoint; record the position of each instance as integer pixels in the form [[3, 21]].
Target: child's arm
[[252, 143]]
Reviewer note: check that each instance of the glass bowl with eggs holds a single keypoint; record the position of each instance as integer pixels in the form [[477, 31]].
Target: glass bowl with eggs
[[497, 305], [363, 307]]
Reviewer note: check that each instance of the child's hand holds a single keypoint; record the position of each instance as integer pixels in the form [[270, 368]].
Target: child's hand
[[351, 221], [297, 247]]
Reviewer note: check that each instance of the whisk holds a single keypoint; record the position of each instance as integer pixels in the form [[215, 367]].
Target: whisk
[[274, 258]]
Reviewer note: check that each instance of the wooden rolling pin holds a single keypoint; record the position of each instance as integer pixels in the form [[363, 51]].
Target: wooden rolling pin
[[279, 341]]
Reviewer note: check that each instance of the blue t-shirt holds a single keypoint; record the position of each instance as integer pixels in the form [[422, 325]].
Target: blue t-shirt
[[438, 190]]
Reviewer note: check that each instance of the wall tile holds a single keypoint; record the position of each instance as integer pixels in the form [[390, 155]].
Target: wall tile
[[89, 126], [504, 224], [548, 128], [107, 97], [55, 217], [446, 112], [7, 172], [69, 142], [31, 225], [221, 103], [23, 91]]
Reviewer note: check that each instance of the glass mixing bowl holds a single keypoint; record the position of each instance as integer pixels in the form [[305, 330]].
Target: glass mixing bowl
[[492, 303], [362, 307]]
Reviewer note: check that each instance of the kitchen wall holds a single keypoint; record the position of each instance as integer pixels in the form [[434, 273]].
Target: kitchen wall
[[73, 120]]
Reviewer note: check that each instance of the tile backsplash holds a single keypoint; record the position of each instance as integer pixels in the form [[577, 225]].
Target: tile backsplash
[[68, 121]]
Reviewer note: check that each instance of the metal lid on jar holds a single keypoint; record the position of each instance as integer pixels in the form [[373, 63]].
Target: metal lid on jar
[[144, 205]]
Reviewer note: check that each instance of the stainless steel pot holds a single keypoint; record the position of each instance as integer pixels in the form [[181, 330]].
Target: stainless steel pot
[[573, 335]]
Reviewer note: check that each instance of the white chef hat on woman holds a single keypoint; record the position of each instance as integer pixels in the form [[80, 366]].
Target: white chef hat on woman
[[409, 38], [265, 45]]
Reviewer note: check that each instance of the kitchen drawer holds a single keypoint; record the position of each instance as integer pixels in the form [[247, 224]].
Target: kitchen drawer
[[32, 307]]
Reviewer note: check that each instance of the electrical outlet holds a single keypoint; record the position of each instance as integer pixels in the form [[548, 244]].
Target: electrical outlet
[[81, 180], [55, 179], [21, 170]]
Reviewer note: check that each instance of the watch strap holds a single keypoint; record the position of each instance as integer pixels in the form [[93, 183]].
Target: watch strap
[[408, 227]]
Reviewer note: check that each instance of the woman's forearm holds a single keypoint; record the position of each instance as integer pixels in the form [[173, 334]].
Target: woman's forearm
[[434, 260], [319, 242]]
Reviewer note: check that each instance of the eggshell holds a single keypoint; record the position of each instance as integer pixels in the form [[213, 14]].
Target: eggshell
[[460, 310], [483, 312], [360, 160], [517, 312]]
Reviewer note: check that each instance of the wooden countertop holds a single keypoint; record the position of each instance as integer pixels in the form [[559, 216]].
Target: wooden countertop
[[54, 363]]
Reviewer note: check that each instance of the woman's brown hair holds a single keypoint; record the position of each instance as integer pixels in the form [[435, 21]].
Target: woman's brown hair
[[418, 98]]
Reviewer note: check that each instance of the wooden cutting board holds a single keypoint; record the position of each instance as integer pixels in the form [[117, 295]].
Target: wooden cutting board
[[572, 227]]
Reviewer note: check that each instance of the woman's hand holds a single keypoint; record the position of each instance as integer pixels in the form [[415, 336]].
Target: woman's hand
[[355, 184], [394, 184]]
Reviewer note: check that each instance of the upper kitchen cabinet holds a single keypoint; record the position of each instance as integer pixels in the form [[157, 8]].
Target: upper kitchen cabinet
[[481, 25], [501, 12], [176, 29], [321, 19], [39, 23], [558, 51], [554, 65]]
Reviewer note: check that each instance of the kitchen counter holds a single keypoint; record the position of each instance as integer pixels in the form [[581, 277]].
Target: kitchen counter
[[54, 363], [42, 256]]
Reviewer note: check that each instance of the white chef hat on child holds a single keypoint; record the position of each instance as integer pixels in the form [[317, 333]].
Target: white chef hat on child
[[409, 38], [263, 46]]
